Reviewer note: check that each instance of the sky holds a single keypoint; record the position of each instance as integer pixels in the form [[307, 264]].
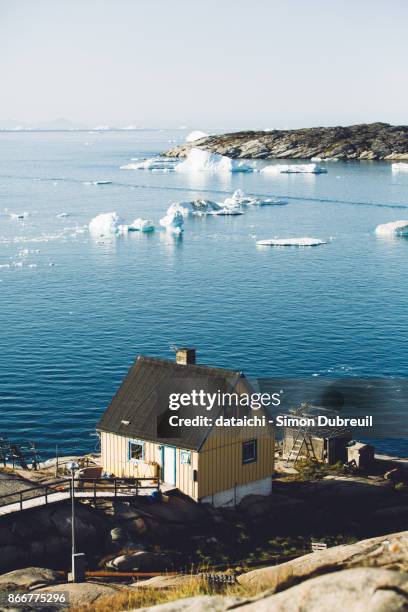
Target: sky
[[208, 63]]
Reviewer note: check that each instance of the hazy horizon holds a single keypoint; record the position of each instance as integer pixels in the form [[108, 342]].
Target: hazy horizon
[[225, 65]]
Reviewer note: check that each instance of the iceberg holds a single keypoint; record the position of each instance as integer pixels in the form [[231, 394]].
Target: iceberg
[[157, 164], [399, 167], [195, 207], [106, 225], [293, 169], [227, 211], [202, 161], [394, 228], [297, 242], [239, 199], [23, 215], [141, 225], [173, 222], [195, 135]]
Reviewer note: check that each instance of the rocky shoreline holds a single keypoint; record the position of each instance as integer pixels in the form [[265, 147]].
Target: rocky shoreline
[[264, 542], [367, 141]]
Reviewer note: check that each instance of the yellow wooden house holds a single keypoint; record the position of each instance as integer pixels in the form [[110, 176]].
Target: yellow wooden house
[[208, 462]]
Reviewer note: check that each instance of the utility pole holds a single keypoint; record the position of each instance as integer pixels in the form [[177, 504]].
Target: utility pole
[[77, 559]]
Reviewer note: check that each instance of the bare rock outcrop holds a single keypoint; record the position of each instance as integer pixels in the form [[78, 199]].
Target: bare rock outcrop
[[389, 551], [354, 590], [367, 141]]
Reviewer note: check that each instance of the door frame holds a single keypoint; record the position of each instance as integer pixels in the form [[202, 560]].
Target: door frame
[[164, 446]]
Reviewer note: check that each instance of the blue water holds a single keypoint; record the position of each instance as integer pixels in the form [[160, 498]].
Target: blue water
[[72, 325]]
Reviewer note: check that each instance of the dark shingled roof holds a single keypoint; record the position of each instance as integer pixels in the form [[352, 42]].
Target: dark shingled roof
[[143, 399]]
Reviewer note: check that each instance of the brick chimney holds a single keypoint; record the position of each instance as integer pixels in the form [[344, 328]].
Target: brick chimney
[[186, 356]]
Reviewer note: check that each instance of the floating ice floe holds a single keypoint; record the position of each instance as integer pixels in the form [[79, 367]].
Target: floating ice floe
[[173, 222], [22, 215], [194, 207], [141, 225], [62, 215], [293, 169], [195, 135], [239, 199], [155, 164], [226, 211], [394, 228], [202, 161], [399, 167], [106, 225], [25, 252], [297, 242]]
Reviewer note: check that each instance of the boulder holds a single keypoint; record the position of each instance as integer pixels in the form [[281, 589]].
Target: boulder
[[28, 578], [82, 593], [42, 536], [354, 590], [141, 561], [385, 551], [167, 582], [119, 539]]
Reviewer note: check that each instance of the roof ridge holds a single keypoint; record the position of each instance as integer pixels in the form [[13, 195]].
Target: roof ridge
[[170, 362]]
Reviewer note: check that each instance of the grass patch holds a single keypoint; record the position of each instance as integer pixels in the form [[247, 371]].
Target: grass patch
[[140, 598], [313, 470]]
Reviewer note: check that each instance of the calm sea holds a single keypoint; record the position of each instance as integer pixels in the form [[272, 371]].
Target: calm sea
[[74, 314]]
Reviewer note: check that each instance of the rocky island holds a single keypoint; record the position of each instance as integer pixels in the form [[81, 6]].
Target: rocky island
[[367, 141]]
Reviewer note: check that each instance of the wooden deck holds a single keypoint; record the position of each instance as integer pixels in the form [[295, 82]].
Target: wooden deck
[[61, 490]]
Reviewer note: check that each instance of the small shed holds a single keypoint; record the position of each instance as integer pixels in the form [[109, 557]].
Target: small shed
[[360, 453], [209, 462]]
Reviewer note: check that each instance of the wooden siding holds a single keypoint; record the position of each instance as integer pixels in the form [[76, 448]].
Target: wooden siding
[[220, 464], [115, 460], [184, 474]]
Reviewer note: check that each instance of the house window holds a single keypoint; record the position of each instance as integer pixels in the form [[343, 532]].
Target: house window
[[249, 451], [136, 450], [185, 457]]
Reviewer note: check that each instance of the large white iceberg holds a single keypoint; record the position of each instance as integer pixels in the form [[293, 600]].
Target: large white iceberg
[[195, 135], [194, 207], [399, 167], [202, 161], [293, 169], [173, 222], [394, 228], [106, 225], [298, 242], [141, 225]]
